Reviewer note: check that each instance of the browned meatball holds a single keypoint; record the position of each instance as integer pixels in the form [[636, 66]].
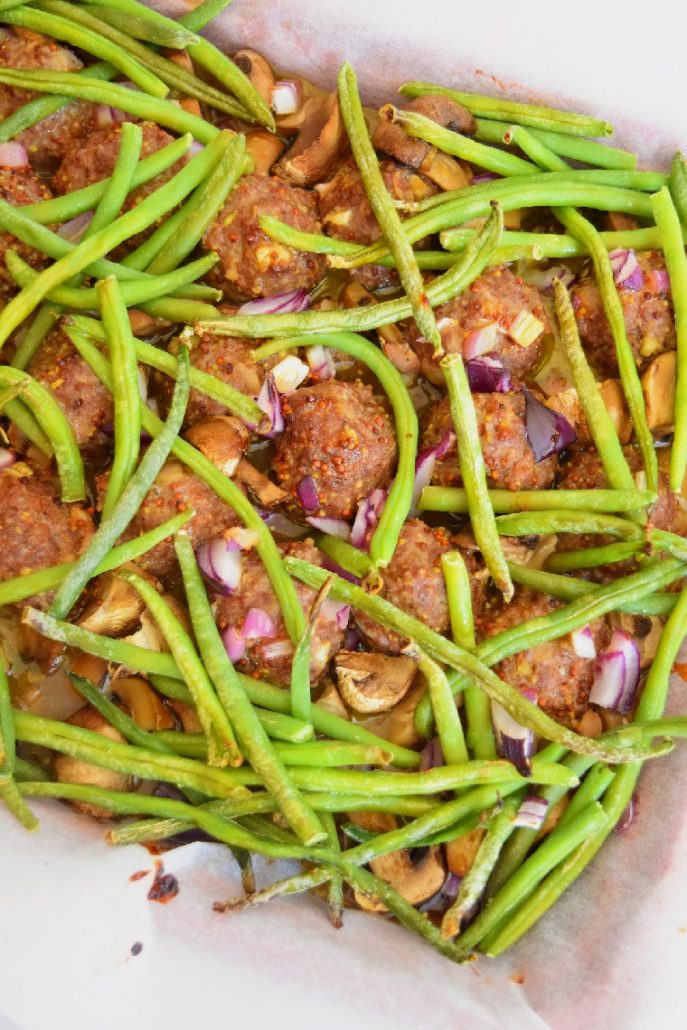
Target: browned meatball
[[339, 437], [85, 401], [17, 188], [414, 582], [561, 678], [496, 298], [251, 264], [648, 318], [47, 140], [508, 457], [37, 530], [346, 214], [175, 489], [270, 656]]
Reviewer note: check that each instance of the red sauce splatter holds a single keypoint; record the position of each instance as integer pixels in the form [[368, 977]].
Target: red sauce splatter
[[517, 978], [138, 875], [681, 669], [165, 886], [136, 948]]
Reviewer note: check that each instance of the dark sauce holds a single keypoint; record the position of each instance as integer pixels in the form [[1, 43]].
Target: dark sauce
[[165, 886]]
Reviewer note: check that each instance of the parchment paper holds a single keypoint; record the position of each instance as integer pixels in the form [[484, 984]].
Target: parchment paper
[[613, 953]]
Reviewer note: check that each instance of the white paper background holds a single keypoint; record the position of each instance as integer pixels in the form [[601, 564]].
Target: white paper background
[[613, 954]]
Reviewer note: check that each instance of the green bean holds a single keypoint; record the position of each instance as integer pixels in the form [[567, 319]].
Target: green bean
[[45, 319], [592, 557], [14, 590], [335, 893], [171, 35], [122, 722], [91, 42], [678, 186], [446, 715], [587, 151], [318, 754], [126, 391], [296, 884], [474, 667], [526, 523], [566, 588], [252, 735], [473, 472], [29, 770], [198, 17], [668, 222], [61, 209], [54, 424], [669, 543], [301, 707], [591, 789], [140, 105], [600, 423], [420, 127], [505, 502], [17, 412], [8, 788], [501, 110], [128, 503], [284, 727], [350, 558], [551, 245], [112, 199], [383, 206]]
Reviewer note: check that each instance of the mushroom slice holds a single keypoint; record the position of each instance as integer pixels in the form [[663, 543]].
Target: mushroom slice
[[398, 351], [265, 148], [461, 851], [319, 143], [415, 881], [658, 384], [444, 111], [445, 171], [613, 397], [395, 141], [73, 770], [113, 609], [331, 700], [145, 706], [371, 683], [398, 725], [263, 489], [258, 70], [223, 440]]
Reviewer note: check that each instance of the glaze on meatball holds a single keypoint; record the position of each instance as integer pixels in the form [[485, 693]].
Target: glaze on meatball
[[19, 187]]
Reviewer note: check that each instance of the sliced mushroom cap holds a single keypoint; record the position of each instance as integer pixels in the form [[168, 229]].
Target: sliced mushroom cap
[[415, 881], [398, 725], [613, 397], [145, 705], [393, 140], [267, 493], [223, 439], [258, 70], [396, 348], [460, 852], [73, 770], [187, 716], [371, 683], [331, 701], [113, 608], [445, 171], [658, 384], [444, 111], [34, 647], [320, 142], [265, 148]]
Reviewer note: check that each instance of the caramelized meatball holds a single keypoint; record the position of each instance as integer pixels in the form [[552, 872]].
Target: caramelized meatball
[[648, 316], [270, 656], [508, 457], [251, 264], [18, 187], [414, 582], [339, 437]]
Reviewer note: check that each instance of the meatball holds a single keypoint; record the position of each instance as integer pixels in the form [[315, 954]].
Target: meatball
[[648, 318], [346, 214], [251, 264], [37, 530], [87, 404], [175, 489], [18, 187], [340, 439], [561, 678], [495, 299], [270, 656], [414, 582], [508, 457], [48, 139]]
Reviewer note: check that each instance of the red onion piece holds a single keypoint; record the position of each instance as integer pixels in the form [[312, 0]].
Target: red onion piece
[[532, 813], [13, 155], [7, 458], [196, 147], [234, 644], [289, 373], [289, 303], [481, 341], [74, 229], [334, 527], [514, 742], [219, 561], [432, 755], [258, 625], [321, 362], [488, 375], [548, 432], [627, 272], [331, 566], [483, 177], [285, 97], [616, 675], [343, 613], [629, 815], [658, 281], [367, 517], [583, 642], [269, 401], [307, 494], [542, 278], [424, 467], [351, 640], [272, 651]]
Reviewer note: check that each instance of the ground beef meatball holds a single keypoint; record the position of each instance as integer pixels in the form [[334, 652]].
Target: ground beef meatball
[[562, 680], [175, 489], [508, 457], [37, 530], [270, 656], [496, 298], [346, 214], [251, 264], [47, 141], [18, 187], [85, 401], [648, 317], [340, 438], [414, 582]]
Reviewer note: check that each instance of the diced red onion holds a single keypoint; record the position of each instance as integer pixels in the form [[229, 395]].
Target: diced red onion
[[616, 675], [307, 494], [331, 566], [583, 642], [542, 278], [424, 467], [196, 147], [273, 650], [269, 401], [289, 303], [289, 373], [629, 815], [481, 341], [234, 644], [432, 755], [658, 281], [343, 613], [13, 155], [483, 177], [7, 458], [367, 517], [488, 375], [351, 640], [258, 625], [514, 741], [285, 97], [74, 229], [627, 271], [548, 432], [106, 115], [334, 527], [451, 886], [532, 813], [321, 362], [219, 561]]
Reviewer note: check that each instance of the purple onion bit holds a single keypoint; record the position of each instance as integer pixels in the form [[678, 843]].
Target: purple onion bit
[[7, 458], [514, 742], [289, 303], [629, 815], [627, 271], [333, 527], [487, 374], [367, 518], [548, 432], [424, 467], [616, 674], [532, 813], [220, 563], [269, 401], [432, 755], [307, 494], [331, 566]]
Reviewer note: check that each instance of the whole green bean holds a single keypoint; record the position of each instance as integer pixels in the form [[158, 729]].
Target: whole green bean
[[567, 588], [172, 35], [526, 523], [44, 320], [112, 199], [592, 557], [592, 788], [350, 558], [198, 17], [551, 245], [505, 502], [8, 788], [43, 106], [319, 754], [446, 715], [16, 411], [588, 151], [122, 722], [677, 182]]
